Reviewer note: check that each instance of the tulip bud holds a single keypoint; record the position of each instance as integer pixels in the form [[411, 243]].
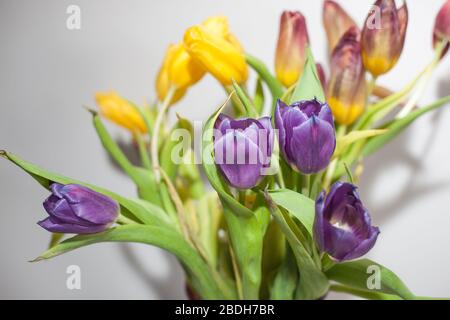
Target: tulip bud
[[178, 70], [306, 134], [347, 84], [342, 226], [120, 111], [292, 41], [441, 30], [336, 22], [383, 36], [217, 50], [242, 149], [76, 209]]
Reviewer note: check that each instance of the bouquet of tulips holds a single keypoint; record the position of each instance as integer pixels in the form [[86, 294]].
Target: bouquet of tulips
[[267, 206]]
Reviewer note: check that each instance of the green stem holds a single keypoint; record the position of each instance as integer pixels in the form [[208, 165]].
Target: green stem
[[409, 106], [306, 185], [143, 152], [332, 166], [238, 107], [371, 86], [275, 87], [155, 138], [124, 220], [241, 196]]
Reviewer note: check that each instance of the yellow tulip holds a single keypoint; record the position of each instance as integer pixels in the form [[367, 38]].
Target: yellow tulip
[[120, 111], [179, 71], [347, 84], [217, 50], [336, 22], [290, 53], [382, 41]]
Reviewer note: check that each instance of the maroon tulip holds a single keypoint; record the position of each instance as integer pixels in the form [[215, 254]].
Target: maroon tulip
[[347, 83], [441, 30], [292, 41], [383, 36]]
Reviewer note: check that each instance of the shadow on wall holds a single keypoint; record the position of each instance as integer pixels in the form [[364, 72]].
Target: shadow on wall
[[166, 288], [397, 153]]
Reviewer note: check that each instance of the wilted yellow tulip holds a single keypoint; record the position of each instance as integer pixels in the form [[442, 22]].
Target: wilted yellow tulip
[[347, 84], [179, 71], [292, 41], [336, 22], [120, 111], [383, 36], [217, 50]]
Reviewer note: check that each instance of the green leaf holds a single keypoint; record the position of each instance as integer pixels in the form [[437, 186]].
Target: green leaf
[[144, 179], [209, 213], [313, 283], [309, 85], [46, 178], [275, 87], [167, 239], [258, 99], [189, 174], [247, 103], [246, 235], [286, 279], [397, 126], [111, 146], [370, 295], [356, 274], [168, 165], [298, 205], [147, 187], [344, 142]]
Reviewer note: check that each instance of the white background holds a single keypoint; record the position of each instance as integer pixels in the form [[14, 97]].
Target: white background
[[48, 72]]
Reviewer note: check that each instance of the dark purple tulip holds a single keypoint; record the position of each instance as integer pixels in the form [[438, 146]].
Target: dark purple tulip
[[306, 134], [76, 209], [242, 149], [342, 226]]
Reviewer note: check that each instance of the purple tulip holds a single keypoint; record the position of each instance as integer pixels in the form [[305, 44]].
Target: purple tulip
[[306, 134], [342, 226], [76, 209], [242, 149]]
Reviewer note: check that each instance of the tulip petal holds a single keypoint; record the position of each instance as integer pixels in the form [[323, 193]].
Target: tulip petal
[[336, 22], [318, 222], [223, 123], [403, 15], [53, 224], [290, 53], [313, 144], [60, 209], [90, 205], [342, 225], [56, 189], [339, 242], [292, 118], [266, 145], [280, 109], [244, 169], [382, 41], [364, 246]]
